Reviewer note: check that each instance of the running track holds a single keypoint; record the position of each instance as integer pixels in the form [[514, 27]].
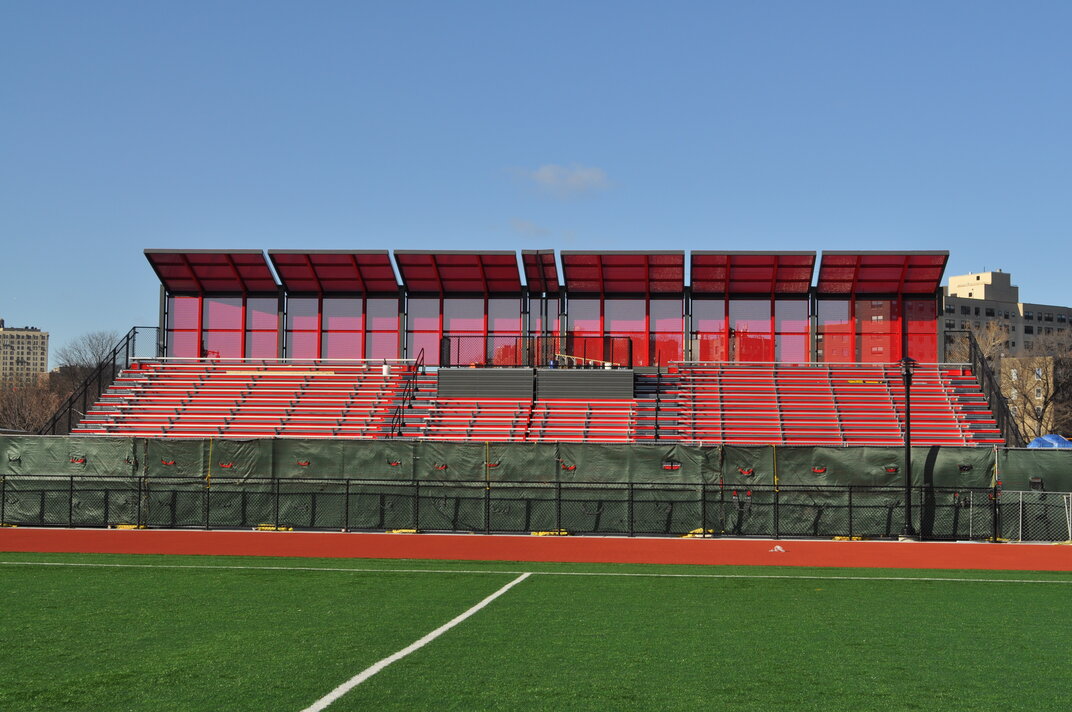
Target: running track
[[476, 547]]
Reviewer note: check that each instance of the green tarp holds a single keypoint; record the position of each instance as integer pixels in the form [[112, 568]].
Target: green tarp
[[530, 462]]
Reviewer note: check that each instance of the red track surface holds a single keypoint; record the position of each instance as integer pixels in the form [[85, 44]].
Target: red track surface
[[747, 552]]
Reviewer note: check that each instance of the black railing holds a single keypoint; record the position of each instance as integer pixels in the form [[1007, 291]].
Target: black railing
[[536, 351], [139, 342], [962, 344], [405, 402], [574, 508]]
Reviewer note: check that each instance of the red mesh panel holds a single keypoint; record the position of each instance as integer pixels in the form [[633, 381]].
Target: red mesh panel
[[381, 345], [791, 348], [381, 314], [342, 314], [344, 344], [923, 347], [754, 347], [182, 312], [668, 347], [223, 344], [504, 315], [262, 314], [429, 341], [424, 314], [183, 344], [922, 315], [837, 347], [302, 344], [878, 348], [791, 316], [261, 344], [460, 314], [302, 314], [712, 347]]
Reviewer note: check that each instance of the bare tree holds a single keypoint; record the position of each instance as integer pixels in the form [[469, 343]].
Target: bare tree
[[991, 338], [1038, 386], [88, 350], [26, 408]]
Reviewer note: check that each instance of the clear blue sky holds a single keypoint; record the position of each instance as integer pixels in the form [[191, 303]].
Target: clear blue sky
[[509, 125]]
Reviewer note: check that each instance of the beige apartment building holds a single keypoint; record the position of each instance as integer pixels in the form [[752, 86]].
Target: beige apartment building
[[23, 354], [989, 301]]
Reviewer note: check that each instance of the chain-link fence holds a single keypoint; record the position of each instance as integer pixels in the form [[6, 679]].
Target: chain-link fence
[[626, 509]]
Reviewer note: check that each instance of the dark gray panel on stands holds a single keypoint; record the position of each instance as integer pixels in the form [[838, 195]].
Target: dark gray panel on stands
[[485, 383], [585, 384]]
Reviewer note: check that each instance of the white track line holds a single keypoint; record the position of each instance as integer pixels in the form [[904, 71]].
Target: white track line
[[365, 674], [629, 574]]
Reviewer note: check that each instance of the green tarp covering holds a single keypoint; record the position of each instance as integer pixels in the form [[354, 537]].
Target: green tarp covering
[[529, 462]]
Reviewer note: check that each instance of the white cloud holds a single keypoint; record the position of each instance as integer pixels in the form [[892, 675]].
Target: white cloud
[[568, 181]]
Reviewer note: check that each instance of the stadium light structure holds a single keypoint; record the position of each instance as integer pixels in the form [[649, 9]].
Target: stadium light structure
[[908, 366]]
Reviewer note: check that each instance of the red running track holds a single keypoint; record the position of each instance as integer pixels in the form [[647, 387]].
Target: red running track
[[473, 547]]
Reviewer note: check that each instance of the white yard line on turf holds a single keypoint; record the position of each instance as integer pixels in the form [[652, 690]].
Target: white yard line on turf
[[626, 574], [365, 674]]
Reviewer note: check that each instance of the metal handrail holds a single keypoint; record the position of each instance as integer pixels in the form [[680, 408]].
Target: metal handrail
[[991, 387], [94, 383], [409, 392]]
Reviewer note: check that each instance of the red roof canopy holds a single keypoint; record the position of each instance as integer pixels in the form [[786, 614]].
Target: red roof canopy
[[752, 272], [213, 271], [624, 272], [881, 272], [459, 272], [360, 272], [541, 271]]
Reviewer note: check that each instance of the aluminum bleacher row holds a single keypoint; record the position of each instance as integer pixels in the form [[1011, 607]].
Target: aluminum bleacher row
[[710, 403]]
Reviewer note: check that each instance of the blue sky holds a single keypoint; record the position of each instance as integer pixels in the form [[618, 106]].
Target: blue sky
[[509, 125]]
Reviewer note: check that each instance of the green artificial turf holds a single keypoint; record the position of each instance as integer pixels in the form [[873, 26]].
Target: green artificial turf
[[86, 638]]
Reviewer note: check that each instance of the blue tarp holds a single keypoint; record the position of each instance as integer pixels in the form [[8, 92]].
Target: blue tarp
[[1050, 441]]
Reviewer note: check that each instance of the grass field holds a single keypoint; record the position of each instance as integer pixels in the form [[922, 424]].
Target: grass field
[[226, 633]]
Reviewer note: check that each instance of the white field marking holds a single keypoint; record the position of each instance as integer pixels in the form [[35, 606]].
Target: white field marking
[[368, 672], [626, 574]]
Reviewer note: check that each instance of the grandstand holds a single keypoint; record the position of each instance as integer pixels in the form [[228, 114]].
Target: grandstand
[[611, 347]]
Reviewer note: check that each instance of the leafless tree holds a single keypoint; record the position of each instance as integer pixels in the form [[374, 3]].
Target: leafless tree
[[88, 350], [25, 407], [1038, 386], [991, 339]]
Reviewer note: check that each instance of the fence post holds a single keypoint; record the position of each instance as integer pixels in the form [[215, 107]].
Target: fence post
[[995, 512], [141, 501], [417, 505], [346, 505], [1020, 537], [850, 511], [487, 507], [275, 502], [777, 494], [629, 507], [703, 509], [70, 502], [777, 513], [3, 498], [558, 505], [208, 505]]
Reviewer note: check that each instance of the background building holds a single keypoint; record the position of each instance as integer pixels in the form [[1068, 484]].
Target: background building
[[988, 304], [1028, 346], [23, 354]]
